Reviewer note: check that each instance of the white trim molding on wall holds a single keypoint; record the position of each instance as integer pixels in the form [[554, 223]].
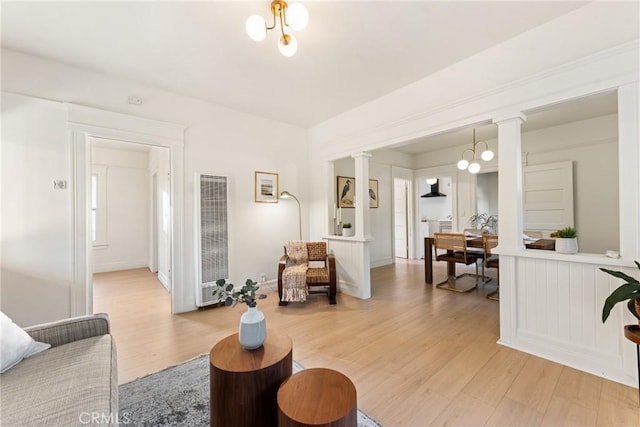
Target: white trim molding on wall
[[85, 123]]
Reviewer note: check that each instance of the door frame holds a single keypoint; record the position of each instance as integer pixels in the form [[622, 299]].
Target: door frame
[[86, 123]]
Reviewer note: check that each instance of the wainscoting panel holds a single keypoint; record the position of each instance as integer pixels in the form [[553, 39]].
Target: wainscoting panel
[[352, 265], [553, 308]]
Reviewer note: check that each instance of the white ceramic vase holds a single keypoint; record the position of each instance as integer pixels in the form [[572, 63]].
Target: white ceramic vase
[[253, 329], [348, 232], [567, 245]]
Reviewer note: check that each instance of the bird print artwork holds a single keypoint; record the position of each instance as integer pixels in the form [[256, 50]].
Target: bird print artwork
[[345, 190], [372, 194]]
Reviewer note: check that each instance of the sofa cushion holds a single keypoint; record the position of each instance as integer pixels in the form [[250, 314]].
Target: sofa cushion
[[64, 385], [16, 344]]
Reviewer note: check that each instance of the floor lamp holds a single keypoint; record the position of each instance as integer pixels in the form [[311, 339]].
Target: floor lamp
[[287, 195]]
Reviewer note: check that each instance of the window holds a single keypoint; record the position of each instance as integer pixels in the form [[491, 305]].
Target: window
[[99, 205]]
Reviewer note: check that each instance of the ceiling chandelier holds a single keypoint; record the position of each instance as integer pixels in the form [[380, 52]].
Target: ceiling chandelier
[[474, 166], [291, 17]]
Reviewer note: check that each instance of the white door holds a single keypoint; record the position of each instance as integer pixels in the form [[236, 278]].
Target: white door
[[548, 196], [401, 217], [164, 231]]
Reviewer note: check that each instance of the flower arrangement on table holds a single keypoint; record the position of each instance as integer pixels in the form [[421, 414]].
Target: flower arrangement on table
[[247, 294]]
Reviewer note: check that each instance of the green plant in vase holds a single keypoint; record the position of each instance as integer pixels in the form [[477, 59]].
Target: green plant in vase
[[629, 291], [246, 295]]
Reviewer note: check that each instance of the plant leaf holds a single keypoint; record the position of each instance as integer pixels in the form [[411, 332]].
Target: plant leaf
[[220, 282], [623, 293], [229, 287], [228, 301], [622, 276]]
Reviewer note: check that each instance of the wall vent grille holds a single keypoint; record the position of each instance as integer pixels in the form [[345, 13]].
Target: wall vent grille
[[212, 235]]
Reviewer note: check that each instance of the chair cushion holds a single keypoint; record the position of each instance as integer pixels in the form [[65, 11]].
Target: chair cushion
[[57, 386], [457, 257], [318, 275]]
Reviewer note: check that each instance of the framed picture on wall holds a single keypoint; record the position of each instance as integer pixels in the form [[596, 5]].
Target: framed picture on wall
[[346, 192], [266, 187], [373, 193]]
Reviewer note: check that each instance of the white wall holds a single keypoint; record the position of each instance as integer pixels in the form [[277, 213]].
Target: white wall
[[217, 140], [487, 196], [36, 219], [127, 219]]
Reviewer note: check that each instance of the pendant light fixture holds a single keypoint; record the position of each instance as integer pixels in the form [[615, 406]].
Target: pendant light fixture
[[474, 166], [291, 17]]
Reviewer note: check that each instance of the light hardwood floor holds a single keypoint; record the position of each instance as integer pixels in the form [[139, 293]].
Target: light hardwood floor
[[418, 356]]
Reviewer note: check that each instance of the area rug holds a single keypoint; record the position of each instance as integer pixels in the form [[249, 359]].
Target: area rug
[[179, 396]]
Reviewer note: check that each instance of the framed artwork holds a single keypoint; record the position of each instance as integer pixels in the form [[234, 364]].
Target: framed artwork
[[373, 193], [266, 188], [346, 192]]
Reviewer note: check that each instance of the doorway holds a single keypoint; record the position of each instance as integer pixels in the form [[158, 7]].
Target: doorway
[[401, 217], [130, 208]]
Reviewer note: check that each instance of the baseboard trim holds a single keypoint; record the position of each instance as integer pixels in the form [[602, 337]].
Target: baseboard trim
[[119, 266]]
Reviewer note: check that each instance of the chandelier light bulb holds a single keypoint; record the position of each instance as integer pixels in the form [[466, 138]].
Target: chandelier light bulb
[[487, 155], [288, 45], [463, 164], [297, 16], [474, 167], [256, 28]]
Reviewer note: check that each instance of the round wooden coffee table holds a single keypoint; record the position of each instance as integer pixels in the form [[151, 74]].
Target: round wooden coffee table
[[244, 383], [317, 397]]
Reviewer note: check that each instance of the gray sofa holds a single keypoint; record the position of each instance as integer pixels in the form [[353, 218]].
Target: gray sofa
[[75, 382]]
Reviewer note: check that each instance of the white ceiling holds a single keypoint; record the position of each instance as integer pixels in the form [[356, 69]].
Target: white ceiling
[[351, 53]]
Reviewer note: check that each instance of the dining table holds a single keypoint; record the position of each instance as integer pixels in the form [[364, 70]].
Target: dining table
[[473, 242]]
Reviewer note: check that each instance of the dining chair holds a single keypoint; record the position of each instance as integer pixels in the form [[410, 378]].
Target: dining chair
[[456, 252], [490, 241], [479, 252]]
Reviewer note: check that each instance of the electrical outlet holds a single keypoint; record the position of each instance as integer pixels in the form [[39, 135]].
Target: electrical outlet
[[59, 184], [263, 277]]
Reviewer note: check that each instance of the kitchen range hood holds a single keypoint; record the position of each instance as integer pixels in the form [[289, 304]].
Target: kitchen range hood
[[435, 191]]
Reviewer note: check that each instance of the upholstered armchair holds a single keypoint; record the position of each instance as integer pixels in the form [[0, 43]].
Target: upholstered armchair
[[319, 272]]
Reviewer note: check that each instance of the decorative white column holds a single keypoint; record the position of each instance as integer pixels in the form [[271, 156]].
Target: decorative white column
[[510, 210], [363, 228], [510, 220]]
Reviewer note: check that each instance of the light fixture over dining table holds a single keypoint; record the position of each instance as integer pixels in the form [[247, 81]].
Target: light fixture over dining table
[[474, 166], [291, 17]]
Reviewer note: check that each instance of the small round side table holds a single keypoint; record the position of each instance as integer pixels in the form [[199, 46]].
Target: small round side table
[[632, 333], [244, 383], [317, 397]]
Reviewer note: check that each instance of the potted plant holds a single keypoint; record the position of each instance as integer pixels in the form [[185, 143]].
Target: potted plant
[[566, 240], [253, 328], [484, 222], [347, 230], [628, 291]]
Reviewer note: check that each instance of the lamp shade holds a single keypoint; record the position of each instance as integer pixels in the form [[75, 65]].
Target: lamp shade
[[256, 28], [487, 155], [474, 167], [287, 45], [297, 16], [463, 164], [432, 181]]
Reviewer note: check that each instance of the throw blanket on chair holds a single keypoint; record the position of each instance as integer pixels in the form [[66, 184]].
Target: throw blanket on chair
[[294, 277]]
